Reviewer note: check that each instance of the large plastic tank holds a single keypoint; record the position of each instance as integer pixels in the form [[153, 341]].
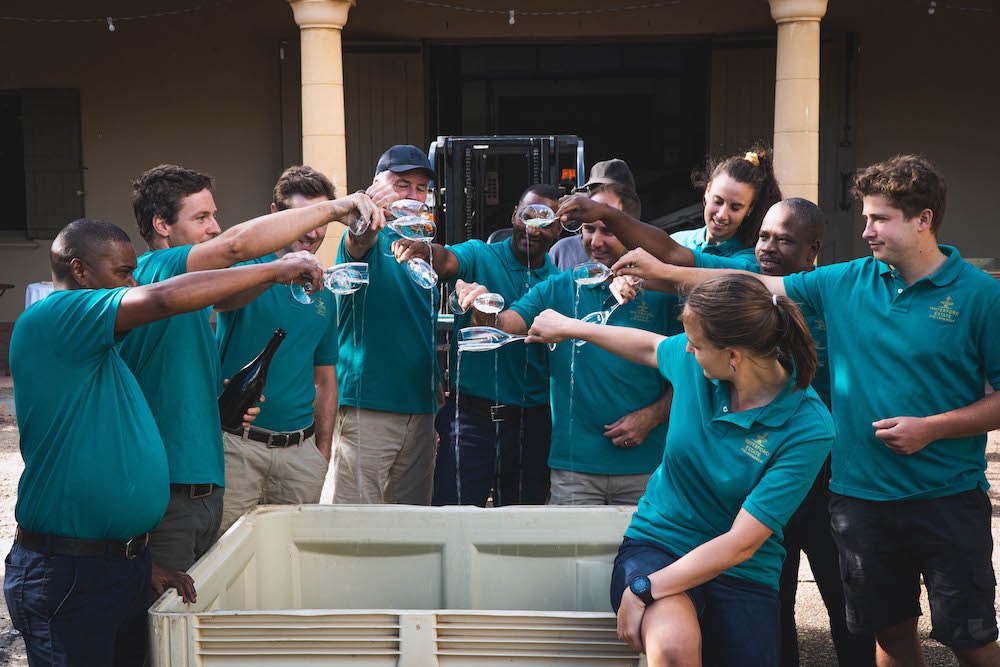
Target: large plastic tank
[[388, 585]]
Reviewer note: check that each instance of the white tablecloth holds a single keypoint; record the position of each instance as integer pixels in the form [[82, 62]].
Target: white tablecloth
[[36, 292]]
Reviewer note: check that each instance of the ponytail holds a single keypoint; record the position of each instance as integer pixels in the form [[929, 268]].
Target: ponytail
[[736, 310], [795, 342]]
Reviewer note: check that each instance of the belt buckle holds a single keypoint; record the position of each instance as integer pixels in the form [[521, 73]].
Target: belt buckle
[[194, 494], [274, 443], [135, 546], [497, 413]]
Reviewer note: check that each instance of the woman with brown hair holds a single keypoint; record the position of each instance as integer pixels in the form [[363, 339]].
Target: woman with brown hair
[[697, 572], [738, 191]]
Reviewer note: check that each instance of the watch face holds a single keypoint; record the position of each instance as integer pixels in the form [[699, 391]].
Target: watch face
[[640, 585]]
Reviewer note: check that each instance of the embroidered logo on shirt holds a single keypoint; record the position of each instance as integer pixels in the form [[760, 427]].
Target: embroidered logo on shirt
[[321, 307], [944, 311], [755, 447], [642, 313]]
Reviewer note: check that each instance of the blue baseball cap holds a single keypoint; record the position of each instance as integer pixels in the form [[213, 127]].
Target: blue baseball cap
[[404, 157]]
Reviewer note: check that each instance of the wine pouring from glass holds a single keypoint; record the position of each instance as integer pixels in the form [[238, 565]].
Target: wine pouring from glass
[[411, 219], [345, 278], [611, 304]]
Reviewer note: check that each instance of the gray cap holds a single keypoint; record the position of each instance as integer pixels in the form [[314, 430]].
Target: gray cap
[[614, 170]]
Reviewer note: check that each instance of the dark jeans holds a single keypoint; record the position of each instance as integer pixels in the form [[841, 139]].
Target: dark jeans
[[809, 531], [738, 618], [78, 611], [507, 458]]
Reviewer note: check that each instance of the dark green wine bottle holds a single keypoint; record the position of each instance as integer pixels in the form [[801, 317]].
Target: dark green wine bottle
[[245, 387]]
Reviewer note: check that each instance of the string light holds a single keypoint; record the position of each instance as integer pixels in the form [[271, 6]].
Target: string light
[[510, 14], [107, 20]]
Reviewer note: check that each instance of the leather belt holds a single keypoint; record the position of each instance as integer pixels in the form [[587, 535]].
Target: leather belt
[[54, 545], [271, 438], [194, 491]]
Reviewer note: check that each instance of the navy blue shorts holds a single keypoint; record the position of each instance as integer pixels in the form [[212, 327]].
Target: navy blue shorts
[[885, 547], [740, 622]]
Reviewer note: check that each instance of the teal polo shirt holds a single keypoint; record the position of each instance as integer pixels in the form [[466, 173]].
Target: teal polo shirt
[[311, 340], [606, 387], [387, 359], [898, 350], [697, 240], [513, 374], [817, 327], [717, 462], [94, 466], [176, 363]]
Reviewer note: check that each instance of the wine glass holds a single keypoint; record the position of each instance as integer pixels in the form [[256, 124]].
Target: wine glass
[[591, 272], [484, 339], [490, 303], [537, 215], [344, 278], [411, 219]]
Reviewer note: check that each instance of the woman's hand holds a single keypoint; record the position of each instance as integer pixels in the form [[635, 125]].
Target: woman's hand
[[630, 620], [551, 327], [640, 264]]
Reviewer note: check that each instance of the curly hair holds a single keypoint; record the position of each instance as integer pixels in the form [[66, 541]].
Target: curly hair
[[760, 176], [301, 180], [159, 191], [910, 183]]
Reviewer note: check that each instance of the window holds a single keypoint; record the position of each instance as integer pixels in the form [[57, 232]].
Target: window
[[41, 174]]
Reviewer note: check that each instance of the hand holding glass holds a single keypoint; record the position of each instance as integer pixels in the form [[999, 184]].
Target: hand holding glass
[[344, 278]]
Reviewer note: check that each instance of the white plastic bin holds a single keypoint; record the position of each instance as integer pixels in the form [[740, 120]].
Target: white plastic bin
[[388, 585]]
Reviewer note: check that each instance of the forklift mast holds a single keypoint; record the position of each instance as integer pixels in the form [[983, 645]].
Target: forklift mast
[[480, 178]]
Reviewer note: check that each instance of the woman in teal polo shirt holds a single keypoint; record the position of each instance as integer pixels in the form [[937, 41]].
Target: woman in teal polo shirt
[[697, 573], [738, 191]]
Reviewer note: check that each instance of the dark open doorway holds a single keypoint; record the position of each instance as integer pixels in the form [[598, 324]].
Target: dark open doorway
[[644, 103]]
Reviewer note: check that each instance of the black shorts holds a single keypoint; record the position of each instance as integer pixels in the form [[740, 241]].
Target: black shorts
[[739, 618], [884, 548]]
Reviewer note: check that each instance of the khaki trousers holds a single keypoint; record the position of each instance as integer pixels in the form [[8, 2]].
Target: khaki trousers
[[581, 488], [383, 457], [258, 475]]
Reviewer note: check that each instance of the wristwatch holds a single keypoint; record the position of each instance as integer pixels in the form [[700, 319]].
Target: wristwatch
[[643, 589]]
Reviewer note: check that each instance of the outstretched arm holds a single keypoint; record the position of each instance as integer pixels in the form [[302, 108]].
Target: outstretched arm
[[270, 233], [635, 345], [631, 232], [644, 265], [194, 291]]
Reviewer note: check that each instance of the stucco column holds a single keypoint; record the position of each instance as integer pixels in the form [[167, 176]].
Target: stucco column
[[324, 144], [796, 96]]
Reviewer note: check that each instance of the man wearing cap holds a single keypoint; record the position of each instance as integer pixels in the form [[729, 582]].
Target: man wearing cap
[[569, 252], [384, 441], [496, 442], [282, 458]]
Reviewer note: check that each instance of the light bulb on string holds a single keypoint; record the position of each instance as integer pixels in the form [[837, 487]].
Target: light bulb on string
[[510, 17], [111, 25]]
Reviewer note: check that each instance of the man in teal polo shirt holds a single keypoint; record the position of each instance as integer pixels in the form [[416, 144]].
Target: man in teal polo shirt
[[282, 458], [176, 361], [608, 414], [910, 336], [384, 441], [502, 426], [95, 478]]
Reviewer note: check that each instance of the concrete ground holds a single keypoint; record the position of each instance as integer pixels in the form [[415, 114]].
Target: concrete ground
[[814, 635]]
